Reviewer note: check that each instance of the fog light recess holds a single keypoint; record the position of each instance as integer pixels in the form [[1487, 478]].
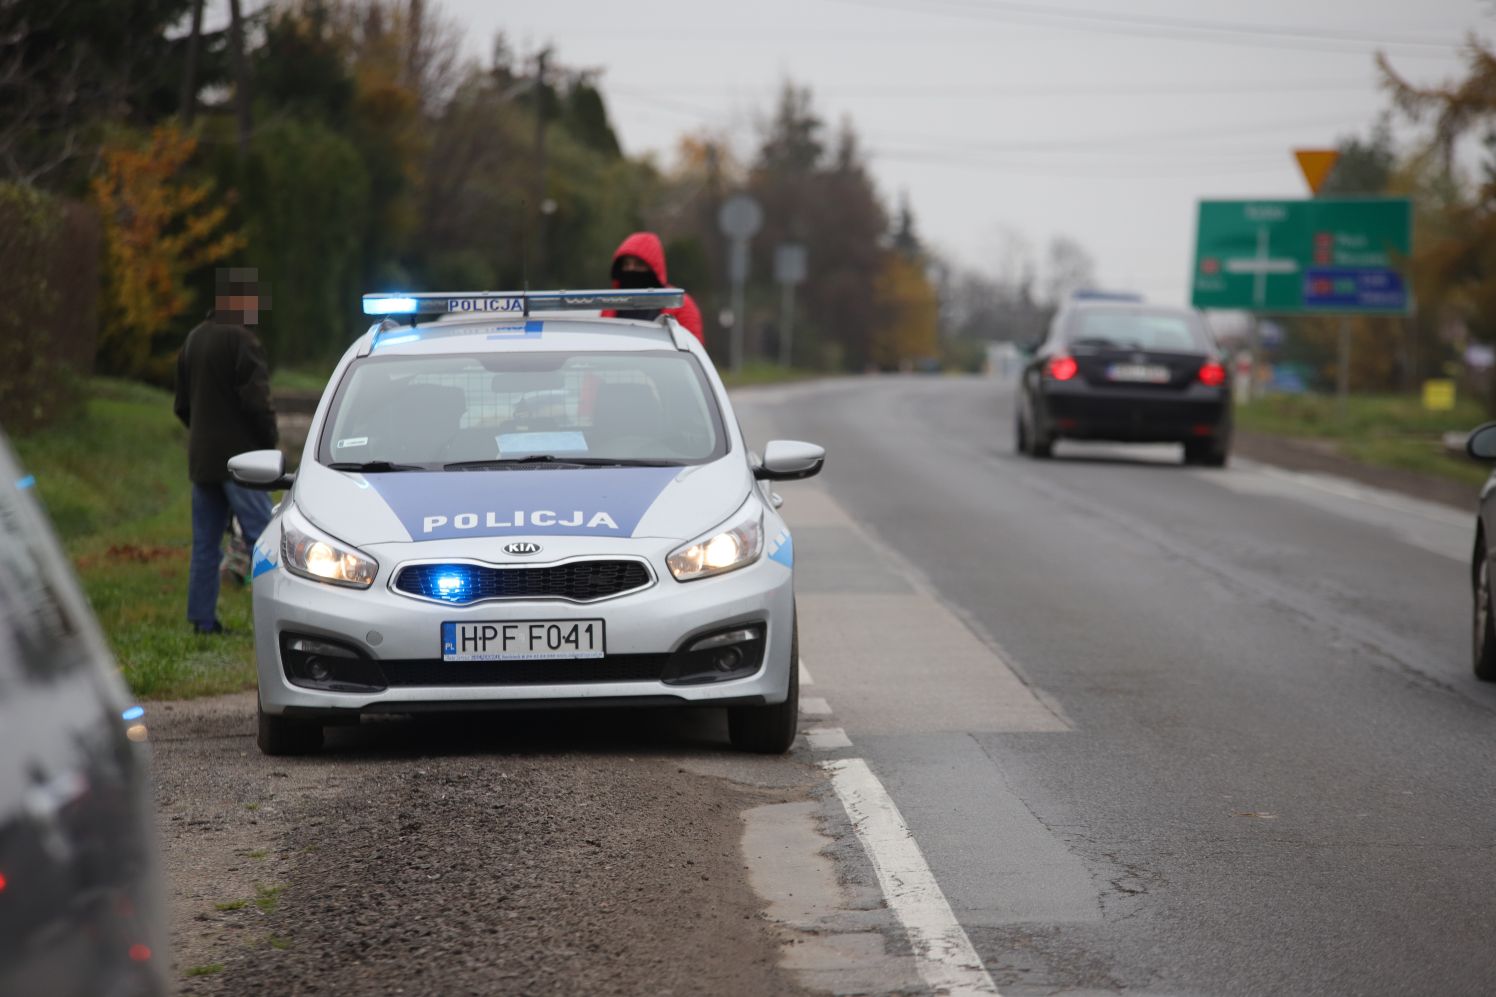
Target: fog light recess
[[320, 663], [718, 657]]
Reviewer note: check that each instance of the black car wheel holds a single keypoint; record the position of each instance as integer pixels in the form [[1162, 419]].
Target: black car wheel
[[1031, 443], [1483, 646], [1207, 453], [770, 730], [284, 736]]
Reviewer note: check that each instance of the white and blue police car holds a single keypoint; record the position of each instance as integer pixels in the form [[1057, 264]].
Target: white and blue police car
[[502, 504]]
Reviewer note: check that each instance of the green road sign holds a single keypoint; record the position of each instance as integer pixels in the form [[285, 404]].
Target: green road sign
[[1327, 255]]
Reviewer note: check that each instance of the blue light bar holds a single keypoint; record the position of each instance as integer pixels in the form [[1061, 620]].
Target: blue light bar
[[520, 302], [133, 713], [389, 304]]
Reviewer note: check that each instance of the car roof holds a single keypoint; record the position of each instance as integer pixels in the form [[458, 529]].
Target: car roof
[[1141, 307], [490, 334]]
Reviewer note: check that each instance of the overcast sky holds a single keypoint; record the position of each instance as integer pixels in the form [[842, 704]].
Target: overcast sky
[[1098, 119]]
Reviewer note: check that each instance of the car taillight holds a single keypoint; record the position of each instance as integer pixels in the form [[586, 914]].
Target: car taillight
[[1212, 374], [1062, 368]]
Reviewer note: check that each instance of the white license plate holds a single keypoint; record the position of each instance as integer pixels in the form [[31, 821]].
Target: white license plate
[[1138, 373], [522, 640]]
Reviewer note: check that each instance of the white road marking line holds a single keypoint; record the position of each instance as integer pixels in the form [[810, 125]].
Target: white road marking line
[[942, 953], [814, 706], [827, 738], [805, 678]]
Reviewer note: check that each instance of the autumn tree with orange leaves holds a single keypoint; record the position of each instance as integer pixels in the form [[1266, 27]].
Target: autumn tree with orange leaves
[[159, 227]]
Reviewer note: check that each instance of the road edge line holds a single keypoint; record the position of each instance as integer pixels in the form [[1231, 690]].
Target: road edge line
[[943, 954]]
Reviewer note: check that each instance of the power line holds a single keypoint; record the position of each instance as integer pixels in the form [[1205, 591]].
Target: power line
[[1103, 143], [889, 91], [1168, 28]]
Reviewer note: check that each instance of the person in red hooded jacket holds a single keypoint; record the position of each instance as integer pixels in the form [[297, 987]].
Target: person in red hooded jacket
[[639, 262]]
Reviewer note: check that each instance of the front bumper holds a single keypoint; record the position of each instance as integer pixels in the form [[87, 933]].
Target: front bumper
[[400, 637]]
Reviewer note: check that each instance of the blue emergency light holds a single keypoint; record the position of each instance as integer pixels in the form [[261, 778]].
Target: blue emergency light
[[520, 302]]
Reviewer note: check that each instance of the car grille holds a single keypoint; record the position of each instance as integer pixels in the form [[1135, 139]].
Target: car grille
[[577, 581], [614, 668]]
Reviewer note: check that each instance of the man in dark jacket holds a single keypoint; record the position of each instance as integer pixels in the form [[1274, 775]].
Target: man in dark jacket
[[223, 398], [639, 262]]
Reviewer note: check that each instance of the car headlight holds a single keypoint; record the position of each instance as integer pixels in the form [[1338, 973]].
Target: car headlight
[[310, 553], [724, 549]]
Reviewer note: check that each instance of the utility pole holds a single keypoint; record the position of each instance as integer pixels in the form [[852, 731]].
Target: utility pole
[[542, 216], [1343, 369], [187, 101], [240, 65]]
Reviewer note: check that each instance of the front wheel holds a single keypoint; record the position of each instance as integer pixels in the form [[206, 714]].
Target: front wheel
[[769, 730], [284, 736], [1484, 645]]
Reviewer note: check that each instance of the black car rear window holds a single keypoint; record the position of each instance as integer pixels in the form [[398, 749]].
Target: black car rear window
[[1131, 329]]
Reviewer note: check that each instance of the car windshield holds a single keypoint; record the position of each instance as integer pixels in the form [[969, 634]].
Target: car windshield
[[1137, 330], [458, 412]]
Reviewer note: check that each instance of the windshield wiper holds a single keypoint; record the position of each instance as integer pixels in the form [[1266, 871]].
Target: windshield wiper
[[373, 466], [499, 463]]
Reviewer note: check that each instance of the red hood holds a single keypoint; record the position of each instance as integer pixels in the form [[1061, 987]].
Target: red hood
[[646, 246]]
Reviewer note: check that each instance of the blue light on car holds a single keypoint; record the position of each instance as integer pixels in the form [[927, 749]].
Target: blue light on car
[[389, 306], [133, 713], [452, 586]]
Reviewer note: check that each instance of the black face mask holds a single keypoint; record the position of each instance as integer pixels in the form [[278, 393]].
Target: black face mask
[[635, 279]]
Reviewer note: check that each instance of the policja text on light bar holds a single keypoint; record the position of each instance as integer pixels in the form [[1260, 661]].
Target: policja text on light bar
[[520, 302]]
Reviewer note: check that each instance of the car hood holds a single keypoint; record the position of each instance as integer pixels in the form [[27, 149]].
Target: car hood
[[677, 503]]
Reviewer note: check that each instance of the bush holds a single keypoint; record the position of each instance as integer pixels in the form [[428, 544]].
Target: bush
[[49, 253]]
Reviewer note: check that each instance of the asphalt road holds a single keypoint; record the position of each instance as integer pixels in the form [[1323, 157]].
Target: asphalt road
[[1154, 729], [1100, 724]]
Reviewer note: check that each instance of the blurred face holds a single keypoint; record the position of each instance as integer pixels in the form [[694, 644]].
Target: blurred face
[[245, 306], [634, 272]]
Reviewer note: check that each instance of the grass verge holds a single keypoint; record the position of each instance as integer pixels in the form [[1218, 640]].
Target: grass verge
[[114, 482], [756, 372], [1381, 430]]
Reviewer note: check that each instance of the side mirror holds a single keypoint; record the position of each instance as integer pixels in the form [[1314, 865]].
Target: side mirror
[[790, 460], [1481, 443], [262, 470]]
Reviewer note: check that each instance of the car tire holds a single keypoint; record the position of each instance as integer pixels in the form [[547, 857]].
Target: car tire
[[284, 736], [1483, 646], [1040, 447], [1207, 454], [770, 730]]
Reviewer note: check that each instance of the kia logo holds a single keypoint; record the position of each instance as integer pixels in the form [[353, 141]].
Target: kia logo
[[522, 547]]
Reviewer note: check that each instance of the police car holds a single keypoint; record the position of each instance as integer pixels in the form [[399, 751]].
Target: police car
[[504, 504]]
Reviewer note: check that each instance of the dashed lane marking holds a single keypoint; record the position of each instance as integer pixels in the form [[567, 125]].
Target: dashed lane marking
[[805, 678], [814, 706], [827, 738], [943, 953]]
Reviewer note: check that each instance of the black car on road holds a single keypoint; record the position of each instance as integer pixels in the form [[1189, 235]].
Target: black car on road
[[1129, 373]]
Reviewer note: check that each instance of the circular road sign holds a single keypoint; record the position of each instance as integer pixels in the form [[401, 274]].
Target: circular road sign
[[740, 216]]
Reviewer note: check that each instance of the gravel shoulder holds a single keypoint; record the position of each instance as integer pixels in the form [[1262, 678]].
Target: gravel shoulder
[[530, 854], [1321, 457]]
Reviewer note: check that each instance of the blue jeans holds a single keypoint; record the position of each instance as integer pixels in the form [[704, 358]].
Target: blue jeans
[[211, 505]]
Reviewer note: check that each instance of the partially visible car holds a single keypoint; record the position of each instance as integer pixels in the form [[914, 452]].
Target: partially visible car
[[81, 912], [1126, 372], [1481, 444]]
